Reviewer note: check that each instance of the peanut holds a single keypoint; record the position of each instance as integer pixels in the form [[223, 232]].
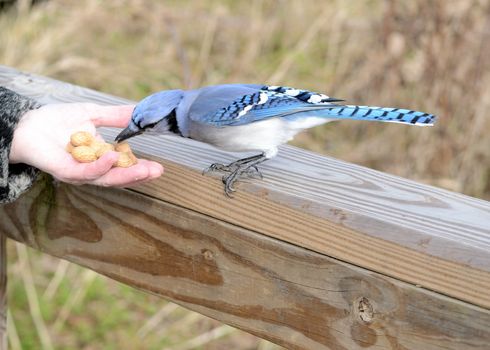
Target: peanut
[[124, 160], [101, 148], [122, 147], [81, 138], [84, 154], [85, 148], [133, 157]]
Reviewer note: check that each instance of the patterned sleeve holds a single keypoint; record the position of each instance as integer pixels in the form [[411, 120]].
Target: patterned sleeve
[[14, 178]]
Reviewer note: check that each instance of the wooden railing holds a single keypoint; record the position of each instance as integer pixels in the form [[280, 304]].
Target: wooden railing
[[321, 254]]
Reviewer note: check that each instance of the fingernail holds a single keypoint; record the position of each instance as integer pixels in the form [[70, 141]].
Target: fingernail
[[155, 172]]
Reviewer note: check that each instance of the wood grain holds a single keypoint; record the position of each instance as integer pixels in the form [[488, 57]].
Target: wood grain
[[413, 232], [3, 292], [289, 295]]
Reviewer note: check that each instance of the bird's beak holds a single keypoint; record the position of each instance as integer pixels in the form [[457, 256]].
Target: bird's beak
[[127, 133]]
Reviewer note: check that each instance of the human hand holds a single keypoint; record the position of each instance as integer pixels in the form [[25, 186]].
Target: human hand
[[42, 134]]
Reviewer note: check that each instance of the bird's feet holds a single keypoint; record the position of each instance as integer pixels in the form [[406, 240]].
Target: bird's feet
[[241, 172], [246, 167], [251, 172]]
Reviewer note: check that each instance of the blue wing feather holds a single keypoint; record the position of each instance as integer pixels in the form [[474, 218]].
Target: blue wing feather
[[260, 105], [255, 103]]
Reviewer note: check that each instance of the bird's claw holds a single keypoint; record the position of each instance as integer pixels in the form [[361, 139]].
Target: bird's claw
[[254, 173], [217, 167], [246, 167], [228, 181], [211, 168], [251, 172]]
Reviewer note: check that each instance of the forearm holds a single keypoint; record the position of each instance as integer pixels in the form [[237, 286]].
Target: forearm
[[14, 178]]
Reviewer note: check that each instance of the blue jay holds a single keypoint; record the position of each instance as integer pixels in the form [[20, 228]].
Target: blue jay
[[242, 118]]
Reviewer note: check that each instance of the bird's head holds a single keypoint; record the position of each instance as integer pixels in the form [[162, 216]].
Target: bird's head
[[155, 112]]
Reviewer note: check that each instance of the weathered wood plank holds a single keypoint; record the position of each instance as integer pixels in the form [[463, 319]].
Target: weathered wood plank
[[416, 233], [3, 292], [294, 297]]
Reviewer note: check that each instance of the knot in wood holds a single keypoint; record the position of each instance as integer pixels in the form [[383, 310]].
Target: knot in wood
[[208, 255], [365, 309]]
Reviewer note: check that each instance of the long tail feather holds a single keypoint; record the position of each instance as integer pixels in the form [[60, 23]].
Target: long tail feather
[[382, 114]]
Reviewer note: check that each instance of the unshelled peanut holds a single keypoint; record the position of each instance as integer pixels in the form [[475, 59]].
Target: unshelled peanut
[[81, 138], [84, 154], [102, 148], [86, 148], [122, 147], [125, 160]]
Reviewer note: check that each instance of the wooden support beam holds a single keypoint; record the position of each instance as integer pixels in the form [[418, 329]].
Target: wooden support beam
[[289, 295], [321, 254], [416, 233], [3, 292]]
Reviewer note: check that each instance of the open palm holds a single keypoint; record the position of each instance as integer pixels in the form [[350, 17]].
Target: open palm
[[41, 137]]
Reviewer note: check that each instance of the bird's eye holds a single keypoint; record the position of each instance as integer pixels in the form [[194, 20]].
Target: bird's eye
[[149, 126]]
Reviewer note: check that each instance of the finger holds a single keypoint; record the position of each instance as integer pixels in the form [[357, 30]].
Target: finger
[[122, 177], [115, 116], [143, 171], [156, 169], [86, 172], [136, 183]]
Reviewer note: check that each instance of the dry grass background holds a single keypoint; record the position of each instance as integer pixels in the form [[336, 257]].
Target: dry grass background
[[426, 55]]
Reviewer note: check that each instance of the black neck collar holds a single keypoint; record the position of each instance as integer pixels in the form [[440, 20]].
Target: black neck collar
[[173, 126]]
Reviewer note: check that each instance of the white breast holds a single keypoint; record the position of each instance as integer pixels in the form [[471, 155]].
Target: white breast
[[259, 136]]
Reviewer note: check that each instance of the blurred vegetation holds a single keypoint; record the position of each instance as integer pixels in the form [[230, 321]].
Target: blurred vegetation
[[424, 55]]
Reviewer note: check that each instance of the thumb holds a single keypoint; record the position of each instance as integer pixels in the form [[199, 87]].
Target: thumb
[[115, 116]]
